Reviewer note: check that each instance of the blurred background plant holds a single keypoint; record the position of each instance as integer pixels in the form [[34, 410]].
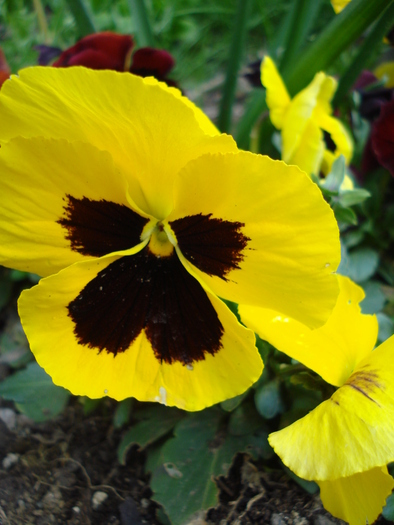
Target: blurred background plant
[[217, 49]]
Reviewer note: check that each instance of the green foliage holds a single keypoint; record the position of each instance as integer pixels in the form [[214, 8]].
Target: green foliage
[[200, 450], [34, 393], [187, 452]]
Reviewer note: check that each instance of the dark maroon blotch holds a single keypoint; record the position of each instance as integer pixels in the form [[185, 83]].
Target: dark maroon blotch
[[97, 228], [145, 292], [215, 246]]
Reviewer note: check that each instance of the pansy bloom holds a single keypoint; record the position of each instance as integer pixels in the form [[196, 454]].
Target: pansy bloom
[[311, 137], [346, 442], [140, 216], [108, 50]]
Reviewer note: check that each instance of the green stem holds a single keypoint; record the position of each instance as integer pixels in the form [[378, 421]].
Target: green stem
[[82, 18], [143, 30], [256, 106], [302, 15], [346, 27], [234, 61], [42, 21], [374, 38]]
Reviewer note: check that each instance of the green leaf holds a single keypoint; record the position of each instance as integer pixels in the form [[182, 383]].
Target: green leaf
[[374, 300], [255, 108], [157, 421], [268, 400], [122, 412], [233, 65], [34, 393], [344, 29], [336, 176], [302, 16], [231, 404], [82, 18], [373, 39], [5, 289], [352, 197], [344, 215], [386, 326], [244, 420], [361, 264], [200, 451], [388, 509], [309, 486], [143, 29]]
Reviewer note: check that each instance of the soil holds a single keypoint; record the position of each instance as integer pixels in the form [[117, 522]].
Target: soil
[[66, 472]]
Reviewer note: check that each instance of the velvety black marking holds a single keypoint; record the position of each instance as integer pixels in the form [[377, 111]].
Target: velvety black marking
[[330, 144], [213, 245], [97, 228], [145, 292]]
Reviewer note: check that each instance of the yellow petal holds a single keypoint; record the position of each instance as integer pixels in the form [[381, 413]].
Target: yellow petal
[[338, 5], [357, 499], [150, 130], [349, 433], [135, 371], [277, 97], [310, 150], [37, 175], [386, 71], [339, 135], [333, 351], [293, 250], [298, 114]]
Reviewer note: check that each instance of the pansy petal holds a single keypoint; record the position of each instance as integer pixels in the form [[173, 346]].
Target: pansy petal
[[339, 135], [105, 326], [277, 97], [357, 499], [61, 202], [386, 71], [270, 239], [334, 350], [310, 151], [298, 114], [149, 129], [349, 433]]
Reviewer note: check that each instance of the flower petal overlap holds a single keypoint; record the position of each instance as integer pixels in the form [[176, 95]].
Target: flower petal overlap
[[139, 215], [311, 137], [346, 442]]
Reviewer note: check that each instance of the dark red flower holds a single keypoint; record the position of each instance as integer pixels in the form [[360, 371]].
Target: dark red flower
[[5, 70], [150, 62], [383, 137], [104, 50], [109, 50]]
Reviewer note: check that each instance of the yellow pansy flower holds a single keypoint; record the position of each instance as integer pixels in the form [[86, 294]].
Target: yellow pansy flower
[[140, 215], [339, 5], [346, 442], [386, 71], [305, 121]]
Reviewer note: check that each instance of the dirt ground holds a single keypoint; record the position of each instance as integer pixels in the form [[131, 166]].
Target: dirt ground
[[66, 472]]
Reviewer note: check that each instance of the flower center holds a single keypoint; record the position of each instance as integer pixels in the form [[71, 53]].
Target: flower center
[[159, 244]]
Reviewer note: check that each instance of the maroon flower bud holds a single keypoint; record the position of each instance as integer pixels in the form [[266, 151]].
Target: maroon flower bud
[[5, 70], [383, 137], [104, 50], [148, 61]]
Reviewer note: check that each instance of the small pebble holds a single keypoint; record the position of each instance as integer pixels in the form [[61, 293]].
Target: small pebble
[[322, 520], [9, 417], [277, 519], [76, 510], [10, 460], [98, 499]]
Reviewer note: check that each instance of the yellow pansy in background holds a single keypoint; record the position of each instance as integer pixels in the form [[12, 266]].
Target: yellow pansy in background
[[346, 442], [338, 5], [386, 71], [139, 215], [311, 138]]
